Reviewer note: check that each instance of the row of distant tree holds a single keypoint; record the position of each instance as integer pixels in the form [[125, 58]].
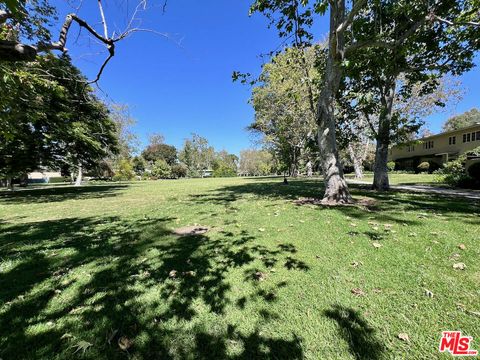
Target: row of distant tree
[[196, 158]]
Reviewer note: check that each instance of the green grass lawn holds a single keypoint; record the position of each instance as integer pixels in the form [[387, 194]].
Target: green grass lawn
[[405, 179], [96, 273]]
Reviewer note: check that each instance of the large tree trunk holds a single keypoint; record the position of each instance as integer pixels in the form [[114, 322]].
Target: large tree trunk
[[357, 162], [78, 181], [10, 183], [336, 189], [380, 176]]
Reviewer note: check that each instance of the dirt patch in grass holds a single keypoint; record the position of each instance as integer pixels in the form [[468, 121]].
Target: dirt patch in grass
[[191, 230], [362, 202]]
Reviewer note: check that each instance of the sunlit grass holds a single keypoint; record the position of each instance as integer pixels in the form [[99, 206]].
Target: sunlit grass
[[406, 179], [85, 271]]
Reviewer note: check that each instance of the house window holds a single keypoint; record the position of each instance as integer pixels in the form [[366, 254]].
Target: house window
[[478, 135], [473, 136], [464, 137], [468, 137], [452, 140], [428, 145]]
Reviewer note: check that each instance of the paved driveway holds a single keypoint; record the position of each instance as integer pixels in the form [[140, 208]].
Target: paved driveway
[[431, 189]]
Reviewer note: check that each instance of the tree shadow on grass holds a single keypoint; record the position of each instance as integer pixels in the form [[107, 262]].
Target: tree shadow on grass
[[96, 280], [354, 329], [59, 193], [386, 204]]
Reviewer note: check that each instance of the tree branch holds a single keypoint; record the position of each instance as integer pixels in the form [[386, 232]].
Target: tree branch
[[4, 16], [357, 6], [458, 23], [388, 44], [102, 15]]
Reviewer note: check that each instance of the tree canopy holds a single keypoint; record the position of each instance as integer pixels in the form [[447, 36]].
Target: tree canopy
[[50, 118], [468, 118]]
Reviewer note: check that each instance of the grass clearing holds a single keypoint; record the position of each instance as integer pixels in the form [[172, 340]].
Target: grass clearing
[[95, 272], [405, 179]]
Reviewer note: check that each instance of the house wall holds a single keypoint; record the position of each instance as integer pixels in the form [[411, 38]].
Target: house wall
[[43, 177], [440, 145]]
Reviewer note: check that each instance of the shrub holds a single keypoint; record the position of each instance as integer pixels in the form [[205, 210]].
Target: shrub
[[423, 166], [161, 169], [474, 171], [391, 165], [124, 171], [224, 171], [179, 170], [433, 167], [454, 173]]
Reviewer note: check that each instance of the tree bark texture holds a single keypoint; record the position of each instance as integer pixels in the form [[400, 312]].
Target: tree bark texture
[[336, 189], [78, 181], [380, 176]]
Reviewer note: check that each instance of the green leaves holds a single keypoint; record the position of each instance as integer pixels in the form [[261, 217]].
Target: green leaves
[[49, 117]]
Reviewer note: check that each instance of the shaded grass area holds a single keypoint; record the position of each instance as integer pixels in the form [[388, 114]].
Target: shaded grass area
[[84, 270]]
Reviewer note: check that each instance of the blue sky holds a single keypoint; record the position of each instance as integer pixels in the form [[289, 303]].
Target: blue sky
[[182, 84]]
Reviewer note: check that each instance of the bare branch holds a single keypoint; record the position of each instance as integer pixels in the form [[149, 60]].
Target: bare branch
[[104, 22], [111, 53], [14, 51], [457, 23]]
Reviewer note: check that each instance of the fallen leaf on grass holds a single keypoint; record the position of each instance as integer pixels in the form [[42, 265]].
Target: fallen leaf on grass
[[355, 264], [474, 313], [261, 229], [412, 234], [259, 276], [83, 346], [353, 225], [377, 245], [358, 292], [454, 257], [462, 247], [459, 266], [172, 274], [428, 293], [403, 337], [125, 343]]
